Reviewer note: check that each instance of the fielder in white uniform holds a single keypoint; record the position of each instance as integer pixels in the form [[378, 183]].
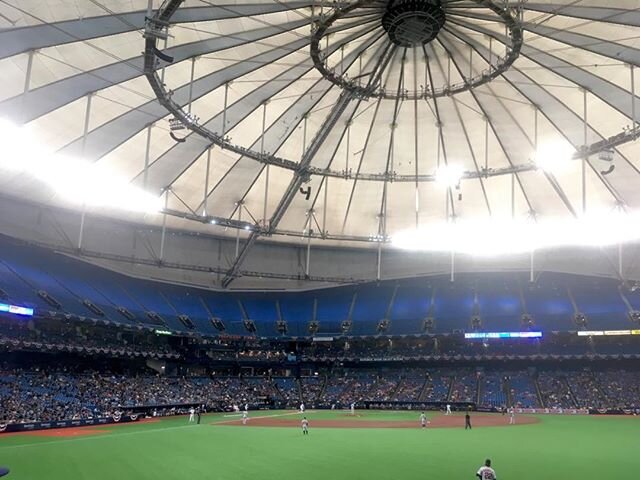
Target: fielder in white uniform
[[512, 416], [486, 472], [192, 417], [245, 417], [423, 420], [305, 426], [448, 412], [302, 408], [353, 408]]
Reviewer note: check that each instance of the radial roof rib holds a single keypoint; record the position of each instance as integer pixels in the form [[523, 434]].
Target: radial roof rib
[[164, 170], [609, 48], [622, 16], [568, 123], [511, 151], [513, 140], [436, 108], [324, 134], [18, 40], [565, 120], [245, 171], [112, 134], [454, 131], [57, 94], [608, 92]]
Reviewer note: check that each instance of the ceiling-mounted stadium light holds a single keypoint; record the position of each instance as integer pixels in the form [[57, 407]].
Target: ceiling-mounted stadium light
[[502, 236], [76, 180], [449, 175], [554, 156]]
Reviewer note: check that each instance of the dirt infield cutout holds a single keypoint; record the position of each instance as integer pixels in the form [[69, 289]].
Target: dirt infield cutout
[[438, 421]]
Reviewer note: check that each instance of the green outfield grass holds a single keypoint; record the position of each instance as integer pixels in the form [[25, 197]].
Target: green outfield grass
[[559, 447]]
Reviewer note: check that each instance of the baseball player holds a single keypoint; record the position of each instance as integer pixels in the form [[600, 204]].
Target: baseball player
[[486, 472], [302, 408], [423, 420], [199, 414], [448, 412], [192, 417], [245, 417], [467, 421], [512, 416], [305, 426], [353, 408]]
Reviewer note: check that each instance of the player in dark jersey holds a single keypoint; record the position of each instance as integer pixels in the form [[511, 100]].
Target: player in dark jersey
[[467, 421]]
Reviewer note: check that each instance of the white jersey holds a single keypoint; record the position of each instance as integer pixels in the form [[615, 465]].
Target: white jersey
[[302, 407], [423, 419], [486, 473], [305, 424]]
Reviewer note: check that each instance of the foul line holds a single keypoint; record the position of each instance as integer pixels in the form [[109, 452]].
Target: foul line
[[123, 434]]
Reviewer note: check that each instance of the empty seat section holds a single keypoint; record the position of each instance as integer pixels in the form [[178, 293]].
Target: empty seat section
[[187, 301], [371, 307], [499, 305], [601, 302], [225, 307], [297, 311], [549, 305], [333, 308], [453, 307], [261, 308], [19, 292], [410, 308]]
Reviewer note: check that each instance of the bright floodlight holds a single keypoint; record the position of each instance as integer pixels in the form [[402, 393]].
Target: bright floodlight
[[449, 175], [503, 237], [76, 180], [554, 156]]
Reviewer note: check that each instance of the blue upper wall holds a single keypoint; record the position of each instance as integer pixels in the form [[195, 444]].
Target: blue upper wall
[[498, 299]]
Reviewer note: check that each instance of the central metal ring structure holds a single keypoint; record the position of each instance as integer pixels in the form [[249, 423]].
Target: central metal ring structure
[[411, 23]]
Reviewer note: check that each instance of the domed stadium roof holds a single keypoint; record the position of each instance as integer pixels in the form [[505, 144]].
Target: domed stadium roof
[[344, 122]]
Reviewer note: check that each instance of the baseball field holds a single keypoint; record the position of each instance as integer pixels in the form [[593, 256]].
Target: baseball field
[[370, 445]]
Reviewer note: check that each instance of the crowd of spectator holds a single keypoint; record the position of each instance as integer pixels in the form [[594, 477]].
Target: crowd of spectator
[[48, 394]]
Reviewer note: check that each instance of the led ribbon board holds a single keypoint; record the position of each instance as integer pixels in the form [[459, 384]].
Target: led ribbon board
[[15, 309], [609, 333], [484, 335]]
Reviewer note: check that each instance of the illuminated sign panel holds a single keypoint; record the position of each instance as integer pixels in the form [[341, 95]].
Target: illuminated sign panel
[[484, 335], [16, 310]]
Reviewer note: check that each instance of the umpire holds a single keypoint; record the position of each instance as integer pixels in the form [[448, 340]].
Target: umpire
[[467, 421]]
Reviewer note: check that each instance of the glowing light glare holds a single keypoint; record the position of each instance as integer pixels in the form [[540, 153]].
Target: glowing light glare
[[449, 175], [73, 179], [555, 156], [503, 237]]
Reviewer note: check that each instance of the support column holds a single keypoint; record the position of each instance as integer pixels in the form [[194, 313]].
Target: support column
[[308, 258], [584, 160], [27, 76], [224, 111], [85, 133], [324, 208], [164, 224], [193, 71], [266, 177], [453, 266], [147, 153], [620, 269], [531, 273], [633, 98], [205, 199], [239, 207]]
